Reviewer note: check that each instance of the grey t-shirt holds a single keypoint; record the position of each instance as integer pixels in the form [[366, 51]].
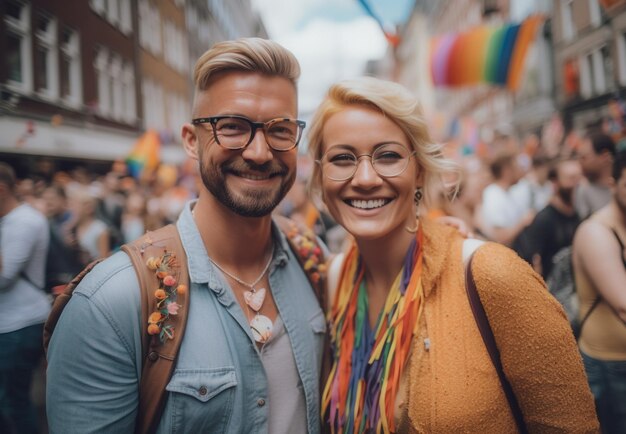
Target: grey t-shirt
[[590, 198], [287, 411]]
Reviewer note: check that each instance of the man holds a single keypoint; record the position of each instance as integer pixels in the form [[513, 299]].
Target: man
[[228, 377], [546, 243], [503, 218], [599, 258], [63, 260], [554, 226], [595, 154], [24, 306], [534, 190]]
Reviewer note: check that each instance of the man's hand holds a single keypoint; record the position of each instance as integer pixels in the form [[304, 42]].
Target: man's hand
[[458, 224]]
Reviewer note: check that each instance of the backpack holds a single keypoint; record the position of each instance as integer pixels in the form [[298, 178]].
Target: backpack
[[160, 345]]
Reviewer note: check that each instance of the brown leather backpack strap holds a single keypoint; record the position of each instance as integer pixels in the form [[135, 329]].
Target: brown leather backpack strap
[[154, 256], [61, 301]]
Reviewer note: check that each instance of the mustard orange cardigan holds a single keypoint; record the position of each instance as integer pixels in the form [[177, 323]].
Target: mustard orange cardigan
[[452, 384]]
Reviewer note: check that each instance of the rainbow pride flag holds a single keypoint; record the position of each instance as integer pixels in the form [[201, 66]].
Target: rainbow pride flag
[[484, 54], [145, 154]]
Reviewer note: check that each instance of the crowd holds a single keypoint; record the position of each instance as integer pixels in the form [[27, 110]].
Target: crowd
[[565, 215]]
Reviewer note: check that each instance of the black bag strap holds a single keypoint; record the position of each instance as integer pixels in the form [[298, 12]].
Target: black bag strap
[[490, 342]]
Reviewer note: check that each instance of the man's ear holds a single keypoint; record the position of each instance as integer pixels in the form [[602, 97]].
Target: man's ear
[[190, 140]]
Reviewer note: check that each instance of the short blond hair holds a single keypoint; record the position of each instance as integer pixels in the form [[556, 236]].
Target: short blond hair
[[246, 54], [395, 102]]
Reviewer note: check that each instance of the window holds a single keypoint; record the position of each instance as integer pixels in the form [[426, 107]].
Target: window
[[621, 57], [46, 57], [153, 105], [113, 11], [607, 68], [116, 12], [567, 20], [598, 75], [594, 13], [71, 76], [586, 79], [116, 86], [175, 47], [150, 27], [18, 55]]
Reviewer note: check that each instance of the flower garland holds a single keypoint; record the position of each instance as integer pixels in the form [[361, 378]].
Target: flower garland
[[165, 295], [367, 364]]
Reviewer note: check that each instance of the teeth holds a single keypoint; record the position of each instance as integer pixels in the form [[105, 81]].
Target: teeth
[[254, 177], [368, 204]]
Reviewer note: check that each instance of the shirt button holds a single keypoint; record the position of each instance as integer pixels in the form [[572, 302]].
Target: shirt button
[[153, 356], [202, 391], [260, 402]]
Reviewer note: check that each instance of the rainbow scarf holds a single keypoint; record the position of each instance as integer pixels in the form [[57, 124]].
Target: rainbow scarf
[[367, 364]]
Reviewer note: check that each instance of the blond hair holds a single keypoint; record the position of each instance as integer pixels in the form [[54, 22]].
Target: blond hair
[[246, 54], [397, 104]]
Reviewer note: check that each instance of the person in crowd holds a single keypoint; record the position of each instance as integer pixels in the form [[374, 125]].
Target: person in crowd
[[134, 217], [110, 207], [534, 190], [595, 153], [547, 243], [24, 306], [91, 233], [553, 227], [599, 258], [244, 135], [406, 354], [503, 218], [64, 256]]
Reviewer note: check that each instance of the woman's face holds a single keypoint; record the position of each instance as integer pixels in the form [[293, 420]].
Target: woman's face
[[368, 205]]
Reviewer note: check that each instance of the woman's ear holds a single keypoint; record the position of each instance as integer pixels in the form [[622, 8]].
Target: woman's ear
[[190, 140]]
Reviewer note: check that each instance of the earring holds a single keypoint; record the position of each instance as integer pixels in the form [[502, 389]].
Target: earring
[[416, 199]]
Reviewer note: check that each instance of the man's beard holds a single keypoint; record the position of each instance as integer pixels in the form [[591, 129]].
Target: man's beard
[[249, 202], [566, 195]]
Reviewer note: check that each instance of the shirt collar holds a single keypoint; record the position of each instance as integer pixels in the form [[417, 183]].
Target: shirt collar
[[201, 270]]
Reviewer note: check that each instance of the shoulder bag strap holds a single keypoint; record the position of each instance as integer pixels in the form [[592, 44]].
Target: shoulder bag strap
[[490, 342], [159, 358]]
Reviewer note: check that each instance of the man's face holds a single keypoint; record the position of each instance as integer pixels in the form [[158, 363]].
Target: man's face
[[251, 181], [590, 162], [569, 175], [620, 192]]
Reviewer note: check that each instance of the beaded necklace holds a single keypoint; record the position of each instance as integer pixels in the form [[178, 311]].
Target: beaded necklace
[[367, 364]]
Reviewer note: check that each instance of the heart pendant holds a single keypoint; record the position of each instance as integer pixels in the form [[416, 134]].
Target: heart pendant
[[255, 299], [261, 328]]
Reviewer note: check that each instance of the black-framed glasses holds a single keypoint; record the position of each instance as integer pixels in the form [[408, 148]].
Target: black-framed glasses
[[388, 160], [237, 132]]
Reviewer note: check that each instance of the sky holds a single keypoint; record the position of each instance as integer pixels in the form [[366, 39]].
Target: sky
[[332, 39]]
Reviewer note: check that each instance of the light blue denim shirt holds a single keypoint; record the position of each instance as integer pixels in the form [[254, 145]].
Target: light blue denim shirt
[[94, 358]]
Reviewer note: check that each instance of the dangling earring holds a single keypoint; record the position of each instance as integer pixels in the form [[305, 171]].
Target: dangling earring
[[416, 199]]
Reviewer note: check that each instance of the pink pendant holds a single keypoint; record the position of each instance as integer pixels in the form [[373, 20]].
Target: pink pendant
[[255, 299]]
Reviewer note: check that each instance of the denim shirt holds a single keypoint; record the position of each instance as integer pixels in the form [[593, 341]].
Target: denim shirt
[[219, 383]]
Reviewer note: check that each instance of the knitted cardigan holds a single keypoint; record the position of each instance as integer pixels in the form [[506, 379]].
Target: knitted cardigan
[[451, 384]]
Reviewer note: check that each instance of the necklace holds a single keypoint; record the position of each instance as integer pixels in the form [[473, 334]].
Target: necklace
[[260, 325]]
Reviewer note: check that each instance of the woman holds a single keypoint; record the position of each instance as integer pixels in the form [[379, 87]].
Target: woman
[[599, 260], [407, 355]]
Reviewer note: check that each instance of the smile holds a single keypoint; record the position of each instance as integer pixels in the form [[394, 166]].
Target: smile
[[254, 177], [368, 204]]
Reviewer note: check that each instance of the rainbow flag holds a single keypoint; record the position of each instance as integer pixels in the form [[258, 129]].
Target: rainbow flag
[[145, 154], [484, 54]]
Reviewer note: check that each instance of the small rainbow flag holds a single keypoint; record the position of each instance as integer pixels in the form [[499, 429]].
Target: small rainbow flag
[[484, 54], [145, 154]]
